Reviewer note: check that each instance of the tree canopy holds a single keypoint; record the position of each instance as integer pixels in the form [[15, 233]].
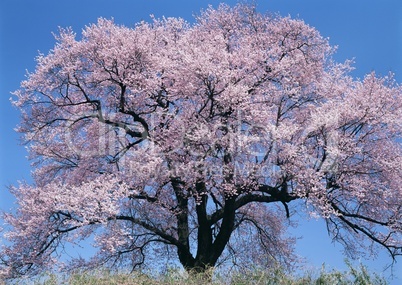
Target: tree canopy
[[194, 142]]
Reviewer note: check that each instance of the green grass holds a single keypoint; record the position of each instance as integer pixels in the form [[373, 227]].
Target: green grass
[[277, 276]]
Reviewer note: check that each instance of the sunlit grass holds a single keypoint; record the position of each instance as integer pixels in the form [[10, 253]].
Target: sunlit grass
[[354, 275]]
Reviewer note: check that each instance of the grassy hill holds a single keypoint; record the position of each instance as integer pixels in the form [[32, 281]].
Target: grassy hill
[[355, 276]]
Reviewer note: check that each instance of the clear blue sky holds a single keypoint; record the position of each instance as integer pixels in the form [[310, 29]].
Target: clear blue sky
[[369, 31]]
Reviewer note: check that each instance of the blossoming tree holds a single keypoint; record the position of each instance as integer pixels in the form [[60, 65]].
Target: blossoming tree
[[195, 141]]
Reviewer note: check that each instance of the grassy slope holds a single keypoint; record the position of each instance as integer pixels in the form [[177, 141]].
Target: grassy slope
[[359, 276]]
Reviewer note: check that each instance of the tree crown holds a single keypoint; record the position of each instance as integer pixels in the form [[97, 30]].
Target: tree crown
[[198, 137]]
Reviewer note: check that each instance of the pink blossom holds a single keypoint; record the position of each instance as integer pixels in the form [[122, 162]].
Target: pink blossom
[[196, 142]]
